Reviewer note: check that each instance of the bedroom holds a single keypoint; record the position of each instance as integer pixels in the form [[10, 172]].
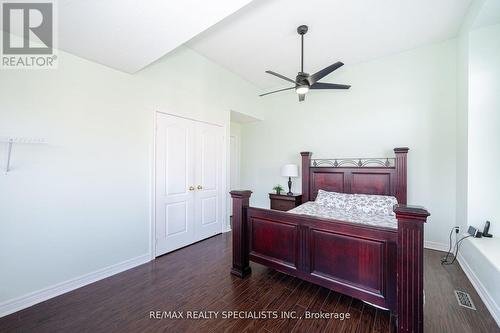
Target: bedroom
[[80, 206]]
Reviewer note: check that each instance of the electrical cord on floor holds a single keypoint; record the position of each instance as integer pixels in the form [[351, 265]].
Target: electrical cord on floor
[[458, 247], [444, 260]]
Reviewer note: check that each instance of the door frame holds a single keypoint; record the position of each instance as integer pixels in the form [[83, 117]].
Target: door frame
[[237, 138], [238, 158], [152, 212]]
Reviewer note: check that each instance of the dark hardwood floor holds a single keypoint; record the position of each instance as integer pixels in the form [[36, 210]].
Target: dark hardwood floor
[[124, 302]]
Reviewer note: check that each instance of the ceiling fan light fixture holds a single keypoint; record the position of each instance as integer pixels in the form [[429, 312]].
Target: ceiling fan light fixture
[[302, 89]]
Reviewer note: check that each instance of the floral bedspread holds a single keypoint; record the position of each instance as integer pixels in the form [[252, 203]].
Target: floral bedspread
[[313, 208]]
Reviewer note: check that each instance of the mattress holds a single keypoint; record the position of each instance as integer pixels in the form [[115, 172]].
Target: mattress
[[314, 209]]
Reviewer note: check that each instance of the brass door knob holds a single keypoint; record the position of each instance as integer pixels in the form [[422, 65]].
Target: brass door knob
[[191, 188], [199, 187]]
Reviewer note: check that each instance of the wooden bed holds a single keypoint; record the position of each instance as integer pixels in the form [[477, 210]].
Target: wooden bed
[[379, 265]]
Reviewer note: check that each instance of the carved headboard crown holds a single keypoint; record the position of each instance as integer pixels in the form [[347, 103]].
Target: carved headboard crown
[[386, 176]]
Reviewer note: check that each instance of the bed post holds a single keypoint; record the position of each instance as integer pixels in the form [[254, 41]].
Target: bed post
[[241, 267], [401, 173], [306, 163], [410, 267]]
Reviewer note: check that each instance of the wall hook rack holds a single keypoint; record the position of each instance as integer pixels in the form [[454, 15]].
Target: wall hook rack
[[11, 141]]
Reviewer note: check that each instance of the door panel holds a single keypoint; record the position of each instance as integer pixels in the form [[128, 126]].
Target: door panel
[[176, 216], [208, 210], [208, 198], [177, 160], [174, 176]]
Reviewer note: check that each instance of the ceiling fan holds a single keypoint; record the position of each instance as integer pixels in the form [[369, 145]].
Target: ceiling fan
[[303, 82]]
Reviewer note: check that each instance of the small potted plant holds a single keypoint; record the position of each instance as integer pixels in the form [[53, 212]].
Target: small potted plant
[[278, 189]]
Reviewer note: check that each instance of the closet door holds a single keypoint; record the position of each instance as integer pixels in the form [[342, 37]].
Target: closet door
[[208, 175], [175, 185]]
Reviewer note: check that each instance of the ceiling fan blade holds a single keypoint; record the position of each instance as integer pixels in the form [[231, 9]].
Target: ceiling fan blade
[[281, 76], [324, 72], [302, 97], [272, 92], [321, 85]]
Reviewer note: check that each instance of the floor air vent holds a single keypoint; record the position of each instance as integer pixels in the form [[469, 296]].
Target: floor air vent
[[464, 299]]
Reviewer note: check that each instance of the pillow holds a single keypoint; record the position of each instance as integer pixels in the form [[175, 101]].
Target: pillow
[[334, 200], [374, 204]]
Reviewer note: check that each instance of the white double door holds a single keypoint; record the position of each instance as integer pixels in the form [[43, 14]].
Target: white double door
[[188, 182]]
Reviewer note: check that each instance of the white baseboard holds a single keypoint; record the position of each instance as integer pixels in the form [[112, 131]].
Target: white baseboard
[[436, 246], [33, 298], [481, 290]]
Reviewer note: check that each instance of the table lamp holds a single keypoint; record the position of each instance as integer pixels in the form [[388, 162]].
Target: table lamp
[[290, 170]]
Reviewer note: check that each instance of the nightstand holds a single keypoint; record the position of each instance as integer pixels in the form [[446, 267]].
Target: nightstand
[[285, 202]]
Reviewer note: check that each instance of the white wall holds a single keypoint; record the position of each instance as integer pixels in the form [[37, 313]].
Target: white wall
[[407, 99], [82, 202], [477, 149], [480, 257], [484, 127], [462, 112]]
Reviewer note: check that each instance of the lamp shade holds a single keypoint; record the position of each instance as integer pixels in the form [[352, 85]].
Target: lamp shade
[[290, 170]]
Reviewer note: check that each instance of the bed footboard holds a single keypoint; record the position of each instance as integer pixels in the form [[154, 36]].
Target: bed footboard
[[377, 265]]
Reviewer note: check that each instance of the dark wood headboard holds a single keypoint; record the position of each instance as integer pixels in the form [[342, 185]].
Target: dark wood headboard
[[386, 176]]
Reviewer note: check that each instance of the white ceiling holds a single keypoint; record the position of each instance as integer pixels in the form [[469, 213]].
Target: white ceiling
[[489, 14], [131, 34], [242, 118], [263, 35]]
